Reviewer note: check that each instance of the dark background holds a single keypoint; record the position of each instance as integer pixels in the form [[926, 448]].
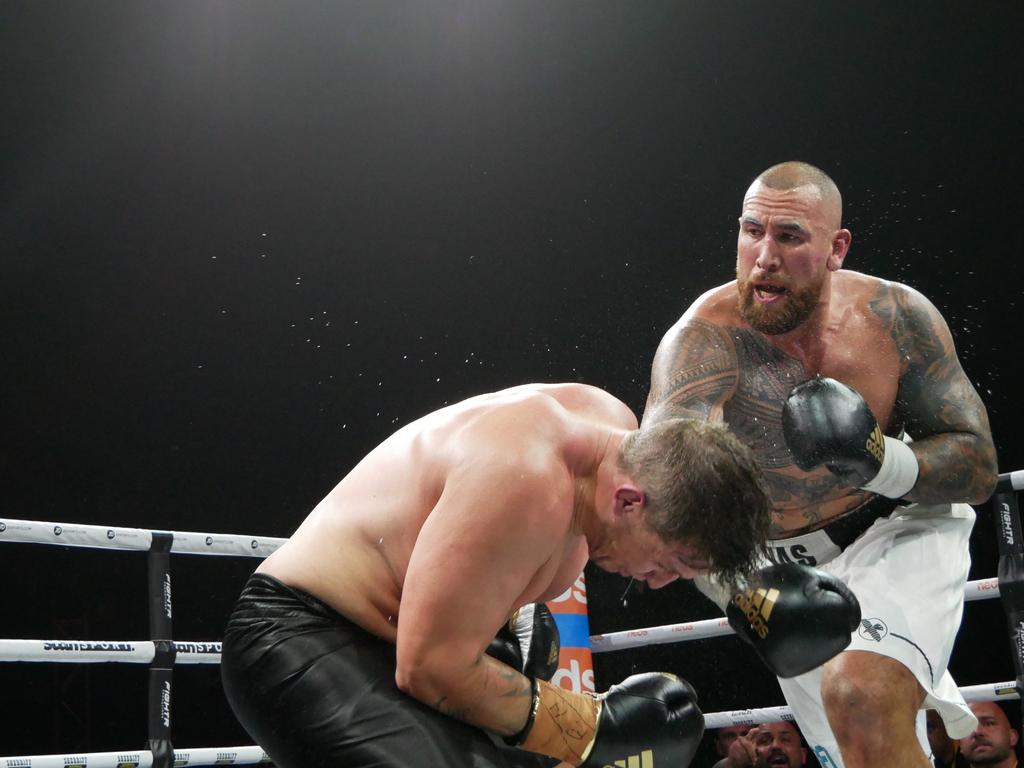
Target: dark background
[[243, 242]]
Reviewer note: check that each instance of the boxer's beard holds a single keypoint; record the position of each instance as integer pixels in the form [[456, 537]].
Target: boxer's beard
[[781, 316], [994, 756]]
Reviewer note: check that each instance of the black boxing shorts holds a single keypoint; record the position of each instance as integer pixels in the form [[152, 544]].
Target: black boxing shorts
[[313, 689]]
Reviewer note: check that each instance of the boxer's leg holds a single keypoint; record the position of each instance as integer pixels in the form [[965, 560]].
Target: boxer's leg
[[872, 702], [908, 573], [314, 690]]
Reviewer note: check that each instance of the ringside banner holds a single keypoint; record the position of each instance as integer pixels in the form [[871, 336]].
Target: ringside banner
[[575, 664]]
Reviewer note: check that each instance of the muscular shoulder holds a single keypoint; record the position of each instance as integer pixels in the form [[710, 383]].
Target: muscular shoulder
[[889, 300], [514, 446], [904, 312], [884, 297], [529, 426], [592, 403], [695, 369], [704, 329], [718, 306]]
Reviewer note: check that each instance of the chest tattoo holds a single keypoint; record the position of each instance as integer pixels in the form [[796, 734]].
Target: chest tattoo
[[754, 413]]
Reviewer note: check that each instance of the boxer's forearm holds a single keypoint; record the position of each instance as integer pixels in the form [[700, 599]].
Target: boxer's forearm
[[488, 695], [954, 467], [937, 403]]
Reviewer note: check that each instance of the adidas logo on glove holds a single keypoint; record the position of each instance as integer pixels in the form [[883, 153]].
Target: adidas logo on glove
[[811, 614], [875, 444], [757, 605], [644, 760]]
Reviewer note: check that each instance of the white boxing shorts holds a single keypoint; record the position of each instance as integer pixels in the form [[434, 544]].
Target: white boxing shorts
[[908, 570]]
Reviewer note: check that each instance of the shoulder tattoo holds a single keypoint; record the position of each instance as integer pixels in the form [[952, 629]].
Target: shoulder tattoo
[[694, 372]]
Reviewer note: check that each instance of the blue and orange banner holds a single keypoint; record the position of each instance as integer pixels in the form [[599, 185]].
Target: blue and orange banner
[[575, 663]]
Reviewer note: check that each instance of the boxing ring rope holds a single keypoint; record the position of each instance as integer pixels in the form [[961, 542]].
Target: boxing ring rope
[[141, 759], [1011, 481], [982, 589], [132, 652], [162, 653]]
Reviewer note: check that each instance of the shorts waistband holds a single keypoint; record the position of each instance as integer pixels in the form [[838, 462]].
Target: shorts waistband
[[265, 598], [847, 528], [821, 545]]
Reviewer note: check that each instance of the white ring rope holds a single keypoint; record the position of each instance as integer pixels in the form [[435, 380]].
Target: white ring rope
[[141, 759], [982, 589], [185, 542], [98, 651], [250, 755], [103, 537], [1014, 479], [984, 692], [208, 652], [111, 537]]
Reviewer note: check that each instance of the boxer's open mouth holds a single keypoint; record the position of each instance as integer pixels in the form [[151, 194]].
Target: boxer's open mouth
[[768, 291]]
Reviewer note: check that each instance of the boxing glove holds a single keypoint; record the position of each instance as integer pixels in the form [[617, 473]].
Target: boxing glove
[[796, 618], [649, 719], [528, 642], [826, 422]]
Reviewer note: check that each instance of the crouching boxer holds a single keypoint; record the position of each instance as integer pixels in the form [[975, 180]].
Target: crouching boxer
[[368, 638]]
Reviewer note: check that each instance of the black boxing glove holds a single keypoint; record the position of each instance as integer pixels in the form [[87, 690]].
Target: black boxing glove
[[826, 422], [528, 642], [654, 712], [795, 617], [650, 719]]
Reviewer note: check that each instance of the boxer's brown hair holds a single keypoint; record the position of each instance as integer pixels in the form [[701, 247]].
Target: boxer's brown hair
[[703, 487]]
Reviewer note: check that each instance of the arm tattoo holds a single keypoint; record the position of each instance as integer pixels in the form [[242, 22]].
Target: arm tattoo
[[497, 681], [704, 371], [459, 713], [937, 402], [693, 373]]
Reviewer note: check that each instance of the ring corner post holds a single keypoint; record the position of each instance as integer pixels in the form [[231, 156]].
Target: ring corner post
[[161, 668], [1006, 512]]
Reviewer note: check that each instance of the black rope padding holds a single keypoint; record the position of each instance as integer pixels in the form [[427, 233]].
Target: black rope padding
[[161, 668], [1011, 576], [1005, 482], [159, 719], [163, 752], [159, 562]]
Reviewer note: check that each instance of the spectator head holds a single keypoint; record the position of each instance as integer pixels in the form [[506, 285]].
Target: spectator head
[[993, 741]]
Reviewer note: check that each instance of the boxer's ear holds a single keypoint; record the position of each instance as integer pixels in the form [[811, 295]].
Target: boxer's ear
[[840, 245], [629, 498]]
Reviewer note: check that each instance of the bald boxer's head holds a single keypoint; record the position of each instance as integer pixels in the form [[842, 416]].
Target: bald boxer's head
[[777, 745], [992, 742], [794, 174], [790, 241], [702, 493]]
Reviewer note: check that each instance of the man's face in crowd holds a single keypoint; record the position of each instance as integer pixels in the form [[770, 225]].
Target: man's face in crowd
[[993, 740], [777, 745], [726, 736], [784, 251], [938, 739]]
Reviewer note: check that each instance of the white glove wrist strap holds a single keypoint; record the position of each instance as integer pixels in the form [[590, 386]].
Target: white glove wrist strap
[[521, 625], [898, 472]]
